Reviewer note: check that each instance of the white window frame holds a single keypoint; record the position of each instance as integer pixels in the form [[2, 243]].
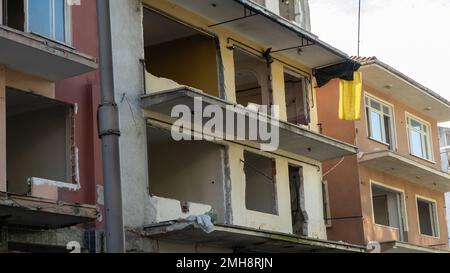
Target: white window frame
[[67, 23], [367, 106], [433, 213], [402, 208], [1, 12], [428, 134]]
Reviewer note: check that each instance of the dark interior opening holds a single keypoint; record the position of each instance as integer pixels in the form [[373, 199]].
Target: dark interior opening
[[38, 140], [298, 211], [296, 98], [14, 14], [187, 171]]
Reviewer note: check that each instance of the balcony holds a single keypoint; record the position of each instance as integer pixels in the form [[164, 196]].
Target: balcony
[[244, 239], [41, 57], [43, 213], [293, 139], [407, 169]]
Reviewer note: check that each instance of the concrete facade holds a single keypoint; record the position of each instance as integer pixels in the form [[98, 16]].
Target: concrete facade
[[141, 207]]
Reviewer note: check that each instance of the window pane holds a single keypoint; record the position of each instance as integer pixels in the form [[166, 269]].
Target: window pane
[[376, 127], [425, 145], [416, 125], [387, 130], [416, 143], [386, 110], [426, 218], [375, 105], [60, 33], [40, 17]]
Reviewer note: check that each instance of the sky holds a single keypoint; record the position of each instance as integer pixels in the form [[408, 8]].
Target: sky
[[412, 36]]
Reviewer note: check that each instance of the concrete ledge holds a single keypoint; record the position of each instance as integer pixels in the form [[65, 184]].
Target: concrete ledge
[[294, 139], [41, 213], [406, 168], [41, 57], [244, 239]]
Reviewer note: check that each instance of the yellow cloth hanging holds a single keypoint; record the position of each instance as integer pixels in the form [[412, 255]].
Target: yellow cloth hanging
[[350, 98]]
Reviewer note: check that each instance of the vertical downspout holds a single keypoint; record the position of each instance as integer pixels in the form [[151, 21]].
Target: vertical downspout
[[109, 133]]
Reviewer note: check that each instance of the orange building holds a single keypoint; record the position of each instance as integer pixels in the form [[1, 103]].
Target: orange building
[[392, 191]]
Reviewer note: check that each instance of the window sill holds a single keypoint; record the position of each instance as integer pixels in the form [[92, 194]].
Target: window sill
[[388, 227], [430, 237], [423, 159], [380, 142]]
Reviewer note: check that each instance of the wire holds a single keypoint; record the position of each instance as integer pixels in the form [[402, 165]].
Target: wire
[[335, 166]]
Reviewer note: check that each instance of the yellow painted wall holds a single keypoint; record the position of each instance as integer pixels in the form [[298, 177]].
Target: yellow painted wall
[[189, 61], [225, 40], [242, 216]]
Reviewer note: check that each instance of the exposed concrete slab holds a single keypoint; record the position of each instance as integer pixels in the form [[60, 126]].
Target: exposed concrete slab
[[401, 247], [41, 213], [244, 239], [293, 138], [41, 57]]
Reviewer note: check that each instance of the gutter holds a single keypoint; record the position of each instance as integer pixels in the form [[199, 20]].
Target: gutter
[[109, 133]]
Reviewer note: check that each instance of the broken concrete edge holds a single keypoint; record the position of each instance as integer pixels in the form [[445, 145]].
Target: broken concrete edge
[[60, 238], [176, 226], [50, 46], [60, 185], [90, 212], [149, 100]]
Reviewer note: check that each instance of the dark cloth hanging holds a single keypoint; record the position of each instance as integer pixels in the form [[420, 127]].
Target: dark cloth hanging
[[343, 71]]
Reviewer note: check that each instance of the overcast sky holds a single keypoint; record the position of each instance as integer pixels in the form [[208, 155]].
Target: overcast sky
[[413, 36]]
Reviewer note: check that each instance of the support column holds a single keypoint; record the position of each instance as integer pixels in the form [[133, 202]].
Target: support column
[[278, 89], [2, 130], [228, 71]]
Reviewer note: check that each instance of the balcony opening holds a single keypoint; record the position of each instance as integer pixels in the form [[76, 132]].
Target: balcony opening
[[48, 18], [39, 141], [427, 217], [181, 54], [253, 87], [388, 208], [297, 98], [298, 210], [187, 171], [260, 183]]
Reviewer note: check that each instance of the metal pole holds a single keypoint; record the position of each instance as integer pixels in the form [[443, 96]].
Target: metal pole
[[359, 27], [109, 132]]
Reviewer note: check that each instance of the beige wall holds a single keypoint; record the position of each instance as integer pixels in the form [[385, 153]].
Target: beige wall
[[349, 185], [367, 145], [374, 232]]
